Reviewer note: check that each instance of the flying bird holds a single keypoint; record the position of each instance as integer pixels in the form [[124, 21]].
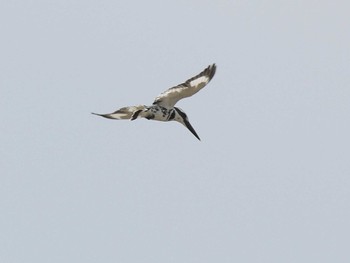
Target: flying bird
[[163, 107]]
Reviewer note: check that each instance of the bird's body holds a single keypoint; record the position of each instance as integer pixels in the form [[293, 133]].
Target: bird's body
[[163, 108], [155, 112]]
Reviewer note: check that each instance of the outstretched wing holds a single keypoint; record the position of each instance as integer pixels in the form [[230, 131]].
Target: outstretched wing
[[171, 96], [124, 113]]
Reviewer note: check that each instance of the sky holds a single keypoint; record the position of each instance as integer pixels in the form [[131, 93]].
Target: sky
[[268, 182]]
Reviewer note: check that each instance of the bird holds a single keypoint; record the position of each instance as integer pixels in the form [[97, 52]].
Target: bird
[[163, 107]]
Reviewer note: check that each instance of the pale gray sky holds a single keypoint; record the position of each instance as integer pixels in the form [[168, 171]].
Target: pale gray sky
[[270, 180]]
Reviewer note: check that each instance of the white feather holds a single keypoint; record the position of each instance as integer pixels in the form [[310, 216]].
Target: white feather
[[171, 96]]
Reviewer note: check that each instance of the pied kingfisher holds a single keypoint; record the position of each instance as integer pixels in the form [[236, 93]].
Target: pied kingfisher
[[163, 106]]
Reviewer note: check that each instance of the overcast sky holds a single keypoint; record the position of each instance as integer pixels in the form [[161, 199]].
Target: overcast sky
[[270, 180]]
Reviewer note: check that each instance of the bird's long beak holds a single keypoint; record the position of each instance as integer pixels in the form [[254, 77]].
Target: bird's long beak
[[189, 126]]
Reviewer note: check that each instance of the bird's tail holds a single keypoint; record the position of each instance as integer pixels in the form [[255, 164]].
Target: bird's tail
[[124, 113]]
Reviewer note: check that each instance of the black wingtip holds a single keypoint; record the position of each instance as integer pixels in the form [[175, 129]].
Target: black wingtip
[[210, 71]]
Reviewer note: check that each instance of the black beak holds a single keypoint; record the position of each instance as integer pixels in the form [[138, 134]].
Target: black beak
[[189, 126]]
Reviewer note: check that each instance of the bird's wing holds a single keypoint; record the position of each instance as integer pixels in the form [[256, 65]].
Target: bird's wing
[[171, 96], [124, 113]]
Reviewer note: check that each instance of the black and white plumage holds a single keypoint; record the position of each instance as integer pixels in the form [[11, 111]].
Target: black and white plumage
[[163, 106]]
